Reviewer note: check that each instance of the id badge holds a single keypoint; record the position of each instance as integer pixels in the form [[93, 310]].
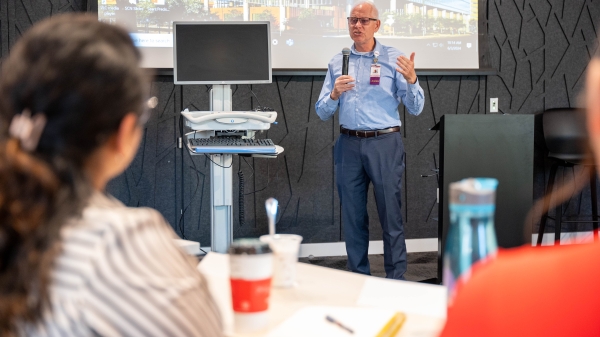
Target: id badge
[[375, 74]]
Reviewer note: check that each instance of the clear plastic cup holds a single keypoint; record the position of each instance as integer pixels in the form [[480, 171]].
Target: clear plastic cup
[[286, 248]]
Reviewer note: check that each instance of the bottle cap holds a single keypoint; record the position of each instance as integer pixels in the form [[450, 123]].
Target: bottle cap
[[474, 191]]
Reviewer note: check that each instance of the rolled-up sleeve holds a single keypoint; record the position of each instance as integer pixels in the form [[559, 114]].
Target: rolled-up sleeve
[[413, 97]]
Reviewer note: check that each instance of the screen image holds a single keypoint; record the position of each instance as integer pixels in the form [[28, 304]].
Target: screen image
[[306, 34]]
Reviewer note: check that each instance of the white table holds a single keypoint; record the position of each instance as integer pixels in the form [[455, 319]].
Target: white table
[[424, 304]]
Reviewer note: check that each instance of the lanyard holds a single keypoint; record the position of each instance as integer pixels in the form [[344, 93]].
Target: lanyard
[[375, 74]]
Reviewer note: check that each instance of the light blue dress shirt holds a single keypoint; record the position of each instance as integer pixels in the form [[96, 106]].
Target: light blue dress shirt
[[366, 106]]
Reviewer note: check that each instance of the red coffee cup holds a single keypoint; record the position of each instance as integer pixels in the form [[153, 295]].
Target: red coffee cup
[[251, 270]]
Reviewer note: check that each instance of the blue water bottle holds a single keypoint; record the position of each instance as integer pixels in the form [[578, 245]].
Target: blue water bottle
[[471, 236]]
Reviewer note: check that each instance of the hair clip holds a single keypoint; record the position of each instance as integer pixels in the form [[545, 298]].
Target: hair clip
[[27, 129]]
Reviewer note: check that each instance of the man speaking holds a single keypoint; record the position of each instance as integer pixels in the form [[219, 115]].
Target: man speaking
[[370, 147]]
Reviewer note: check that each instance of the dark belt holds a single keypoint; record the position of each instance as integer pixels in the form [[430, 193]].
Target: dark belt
[[368, 133]]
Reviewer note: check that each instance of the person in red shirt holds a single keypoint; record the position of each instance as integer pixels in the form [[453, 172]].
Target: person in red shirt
[[536, 291]]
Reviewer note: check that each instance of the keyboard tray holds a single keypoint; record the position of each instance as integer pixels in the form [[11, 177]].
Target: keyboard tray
[[232, 145]]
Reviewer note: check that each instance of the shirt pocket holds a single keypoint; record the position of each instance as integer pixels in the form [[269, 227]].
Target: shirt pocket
[[387, 82]]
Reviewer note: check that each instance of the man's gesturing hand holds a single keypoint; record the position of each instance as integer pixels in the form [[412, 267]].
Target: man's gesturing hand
[[341, 85], [406, 67]]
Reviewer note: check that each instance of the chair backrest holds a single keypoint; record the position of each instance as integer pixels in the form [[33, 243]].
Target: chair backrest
[[565, 134]]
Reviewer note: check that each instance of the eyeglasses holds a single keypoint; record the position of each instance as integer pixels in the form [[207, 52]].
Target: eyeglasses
[[151, 103], [363, 21]]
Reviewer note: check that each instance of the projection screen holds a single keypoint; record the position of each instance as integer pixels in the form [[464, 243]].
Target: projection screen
[[305, 34]]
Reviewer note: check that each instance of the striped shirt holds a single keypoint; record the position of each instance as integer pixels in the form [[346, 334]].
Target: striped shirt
[[120, 274]]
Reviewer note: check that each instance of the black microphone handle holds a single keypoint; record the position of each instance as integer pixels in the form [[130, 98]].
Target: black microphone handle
[[345, 65]]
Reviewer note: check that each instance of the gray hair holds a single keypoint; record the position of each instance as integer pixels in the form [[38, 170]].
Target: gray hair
[[373, 7]]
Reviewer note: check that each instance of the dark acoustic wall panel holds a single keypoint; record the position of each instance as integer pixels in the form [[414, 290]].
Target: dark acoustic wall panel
[[443, 95], [195, 223], [153, 179], [540, 49], [16, 16]]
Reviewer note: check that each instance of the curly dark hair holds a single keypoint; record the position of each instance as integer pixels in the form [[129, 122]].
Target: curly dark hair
[[84, 76]]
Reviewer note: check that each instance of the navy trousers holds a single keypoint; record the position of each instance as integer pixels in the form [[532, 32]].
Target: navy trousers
[[358, 162]]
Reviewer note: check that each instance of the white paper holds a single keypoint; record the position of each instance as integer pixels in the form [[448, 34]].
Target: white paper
[[311, 322], [404, 296]]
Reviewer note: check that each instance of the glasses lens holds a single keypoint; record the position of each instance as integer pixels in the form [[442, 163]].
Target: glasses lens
[[363, 21]]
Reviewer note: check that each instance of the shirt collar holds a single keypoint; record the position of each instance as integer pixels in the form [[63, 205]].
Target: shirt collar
[[368, 53]]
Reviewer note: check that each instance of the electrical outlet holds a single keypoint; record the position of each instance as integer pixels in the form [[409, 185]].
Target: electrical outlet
[[493, 104]]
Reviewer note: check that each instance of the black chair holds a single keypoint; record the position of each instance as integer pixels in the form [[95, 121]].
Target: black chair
[[566, 139]]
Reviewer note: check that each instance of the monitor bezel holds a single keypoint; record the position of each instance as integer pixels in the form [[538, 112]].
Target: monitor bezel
[[267, 23]]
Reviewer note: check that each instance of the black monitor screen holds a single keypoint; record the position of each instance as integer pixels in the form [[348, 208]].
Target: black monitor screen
[[222, 52]]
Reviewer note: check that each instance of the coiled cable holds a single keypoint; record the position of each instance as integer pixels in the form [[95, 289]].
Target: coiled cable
[[241, 198]]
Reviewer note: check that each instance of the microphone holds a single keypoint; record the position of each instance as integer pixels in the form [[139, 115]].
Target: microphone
[[346, 53]]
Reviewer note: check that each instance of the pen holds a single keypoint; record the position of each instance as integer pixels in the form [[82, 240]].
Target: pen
[[338, 323]]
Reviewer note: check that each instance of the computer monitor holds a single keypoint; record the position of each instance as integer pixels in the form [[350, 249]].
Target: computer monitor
[[222, 52]]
